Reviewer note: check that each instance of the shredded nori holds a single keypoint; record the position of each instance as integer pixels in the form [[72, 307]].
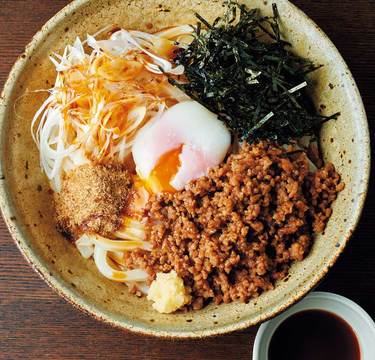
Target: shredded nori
[[240, 68]]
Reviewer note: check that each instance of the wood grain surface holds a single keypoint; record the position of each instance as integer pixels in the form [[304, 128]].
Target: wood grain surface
[[36, 324]]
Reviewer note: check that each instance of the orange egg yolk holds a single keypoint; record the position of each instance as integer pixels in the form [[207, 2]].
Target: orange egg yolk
[[164, 171]]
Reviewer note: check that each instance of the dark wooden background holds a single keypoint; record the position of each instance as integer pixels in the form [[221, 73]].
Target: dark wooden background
[[36, 324]]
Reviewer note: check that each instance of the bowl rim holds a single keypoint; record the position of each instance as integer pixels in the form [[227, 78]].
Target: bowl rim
[[77, 300], [316, 300]]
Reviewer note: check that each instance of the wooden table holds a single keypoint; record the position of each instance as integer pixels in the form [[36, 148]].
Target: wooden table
[[36, 324]]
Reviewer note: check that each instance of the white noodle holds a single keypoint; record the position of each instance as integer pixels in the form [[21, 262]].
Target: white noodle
[[93, 135], [103, 265]]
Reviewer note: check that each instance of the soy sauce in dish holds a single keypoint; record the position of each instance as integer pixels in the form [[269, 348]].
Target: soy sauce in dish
[[314, 335]]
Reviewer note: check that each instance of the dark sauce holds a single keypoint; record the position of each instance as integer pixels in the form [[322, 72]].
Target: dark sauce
[[314, 335]]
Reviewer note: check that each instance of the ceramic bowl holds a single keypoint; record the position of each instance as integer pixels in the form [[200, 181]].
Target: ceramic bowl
[[26, 200], [360, 322]]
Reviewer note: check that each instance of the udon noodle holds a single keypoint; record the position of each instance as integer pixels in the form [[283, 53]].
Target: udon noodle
[[103, 95]]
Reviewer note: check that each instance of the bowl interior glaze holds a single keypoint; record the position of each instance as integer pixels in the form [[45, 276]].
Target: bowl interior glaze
[[26, 201]]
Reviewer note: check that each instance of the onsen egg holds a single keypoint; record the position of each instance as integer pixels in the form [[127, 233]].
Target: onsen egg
[[179, 146]]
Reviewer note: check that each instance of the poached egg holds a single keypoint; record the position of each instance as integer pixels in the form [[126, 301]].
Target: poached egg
[[179, 146]]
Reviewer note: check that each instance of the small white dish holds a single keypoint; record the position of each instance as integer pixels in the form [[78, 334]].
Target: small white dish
[[361, 323]]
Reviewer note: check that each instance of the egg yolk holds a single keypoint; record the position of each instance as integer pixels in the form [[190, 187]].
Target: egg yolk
[[164, 171]]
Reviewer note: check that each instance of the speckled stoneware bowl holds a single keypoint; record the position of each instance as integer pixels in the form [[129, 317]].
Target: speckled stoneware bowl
[[27, 206]]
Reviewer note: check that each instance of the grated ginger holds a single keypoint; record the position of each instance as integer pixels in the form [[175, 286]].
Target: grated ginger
[[168, 293]]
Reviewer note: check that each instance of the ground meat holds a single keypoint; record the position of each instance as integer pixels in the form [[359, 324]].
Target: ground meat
[[323, 187], [92, 199], [231, 234]]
